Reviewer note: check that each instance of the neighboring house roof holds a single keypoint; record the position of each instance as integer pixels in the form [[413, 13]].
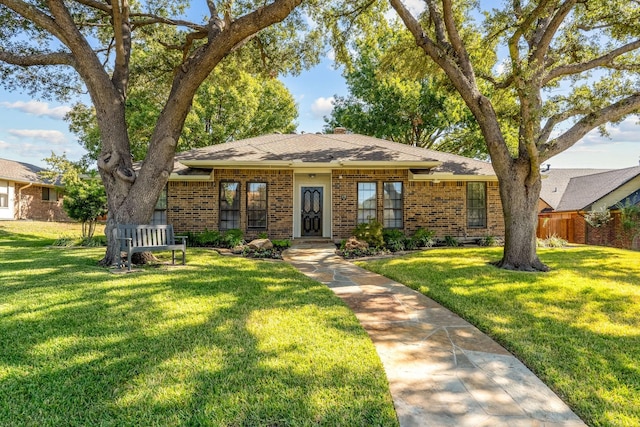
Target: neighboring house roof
[[11, 170], [579, 189], [332, 151]]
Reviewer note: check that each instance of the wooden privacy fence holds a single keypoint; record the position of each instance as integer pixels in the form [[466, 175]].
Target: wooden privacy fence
[[572, 227]]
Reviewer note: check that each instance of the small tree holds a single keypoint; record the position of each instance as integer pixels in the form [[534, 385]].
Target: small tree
[[86, 201]]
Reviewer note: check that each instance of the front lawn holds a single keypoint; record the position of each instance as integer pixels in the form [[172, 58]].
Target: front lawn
[[220, 342], [577, 327]]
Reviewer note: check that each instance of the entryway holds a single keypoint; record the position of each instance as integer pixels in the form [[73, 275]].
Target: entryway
[[311, 204]]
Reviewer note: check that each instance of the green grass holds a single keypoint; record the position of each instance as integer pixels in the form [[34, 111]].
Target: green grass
[[577, 327], [220, 342]]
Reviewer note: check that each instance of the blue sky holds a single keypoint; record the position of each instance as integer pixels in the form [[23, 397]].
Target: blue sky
[[30, 129]]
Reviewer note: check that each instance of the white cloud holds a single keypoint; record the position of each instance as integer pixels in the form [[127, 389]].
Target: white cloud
[[37, 108], [4, 144], [416, 7], [322, 107], [40, 135], [627, 131]]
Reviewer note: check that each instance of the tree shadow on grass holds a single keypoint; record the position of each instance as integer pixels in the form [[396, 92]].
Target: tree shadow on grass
[[233, 344]]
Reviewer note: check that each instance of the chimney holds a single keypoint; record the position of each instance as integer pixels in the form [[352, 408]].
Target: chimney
[[339, 130]]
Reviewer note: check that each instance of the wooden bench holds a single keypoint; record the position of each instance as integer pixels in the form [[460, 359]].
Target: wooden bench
[[147, 238]]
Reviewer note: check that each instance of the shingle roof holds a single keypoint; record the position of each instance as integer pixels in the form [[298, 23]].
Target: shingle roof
[[20, 172], [329, 148], [577, 189]]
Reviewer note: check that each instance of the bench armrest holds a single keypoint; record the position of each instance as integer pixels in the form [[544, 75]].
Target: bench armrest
[[183, 238]]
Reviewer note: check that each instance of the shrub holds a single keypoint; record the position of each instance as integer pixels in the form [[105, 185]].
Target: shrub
[[233, 238], [263, 235], [281, 244], [64, 241], [553, 241], [451, 241], [359, 252], [422, 238], [208, 238], [94, 242], [394, 240], [598, 218], [488, 241], [370, 232]]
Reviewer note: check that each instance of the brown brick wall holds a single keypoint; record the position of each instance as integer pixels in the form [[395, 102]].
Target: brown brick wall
[[34, 208], [193, 206], [439, 207], [611, 234]]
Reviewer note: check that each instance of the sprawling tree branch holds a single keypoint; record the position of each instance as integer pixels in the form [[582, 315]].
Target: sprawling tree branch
[[556, 119], [602, 61], [628, 105], [54, 58], [32, 13], [96, 5]]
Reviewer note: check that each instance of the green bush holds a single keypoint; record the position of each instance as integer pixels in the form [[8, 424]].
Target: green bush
[[233, 238], [488, 241], [422, 238], [451, 241], [263, 235], [281, 244], [394, 240], [208, 238], [64, 241], [94, 242], [370, 232], [553, 241], [357, 253]]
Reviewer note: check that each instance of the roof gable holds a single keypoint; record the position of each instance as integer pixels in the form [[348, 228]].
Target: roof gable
[[578, 189]]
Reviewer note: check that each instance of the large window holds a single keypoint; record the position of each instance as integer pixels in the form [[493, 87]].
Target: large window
[[49, 194], [367, 202], [4, 194], [257, 205], [392, 205], [476, 205], [229, 205]]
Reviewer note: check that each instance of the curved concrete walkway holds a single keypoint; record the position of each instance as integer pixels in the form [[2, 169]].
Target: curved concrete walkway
[[442, 371]]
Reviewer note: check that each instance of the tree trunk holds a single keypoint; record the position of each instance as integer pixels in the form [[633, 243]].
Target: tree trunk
[[520, 192]]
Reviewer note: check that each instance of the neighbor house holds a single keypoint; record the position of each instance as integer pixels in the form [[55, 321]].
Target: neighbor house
[[567, 195], [24, 195], [323, 185]]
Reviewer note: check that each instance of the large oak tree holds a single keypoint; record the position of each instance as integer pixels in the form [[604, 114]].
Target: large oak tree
[[573, 67], [46, 44]]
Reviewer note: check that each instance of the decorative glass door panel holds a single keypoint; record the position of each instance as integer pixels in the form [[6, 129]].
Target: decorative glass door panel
[[311, 224]]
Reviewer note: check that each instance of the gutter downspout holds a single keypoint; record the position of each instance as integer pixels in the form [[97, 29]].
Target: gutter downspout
[[20, 198]]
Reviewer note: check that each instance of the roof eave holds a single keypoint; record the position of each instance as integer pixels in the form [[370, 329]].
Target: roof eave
[[286, 164], [449, 176]]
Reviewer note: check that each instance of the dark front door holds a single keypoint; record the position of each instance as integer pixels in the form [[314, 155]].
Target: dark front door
[[311, 211]]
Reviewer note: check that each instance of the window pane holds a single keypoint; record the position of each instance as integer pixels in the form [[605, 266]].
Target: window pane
[[367, 202], [161, 204], [393, 205], [476, 205], [229, 205], [257, 205]]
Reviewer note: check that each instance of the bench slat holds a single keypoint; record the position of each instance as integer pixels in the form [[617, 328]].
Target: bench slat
[[147, 238]]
